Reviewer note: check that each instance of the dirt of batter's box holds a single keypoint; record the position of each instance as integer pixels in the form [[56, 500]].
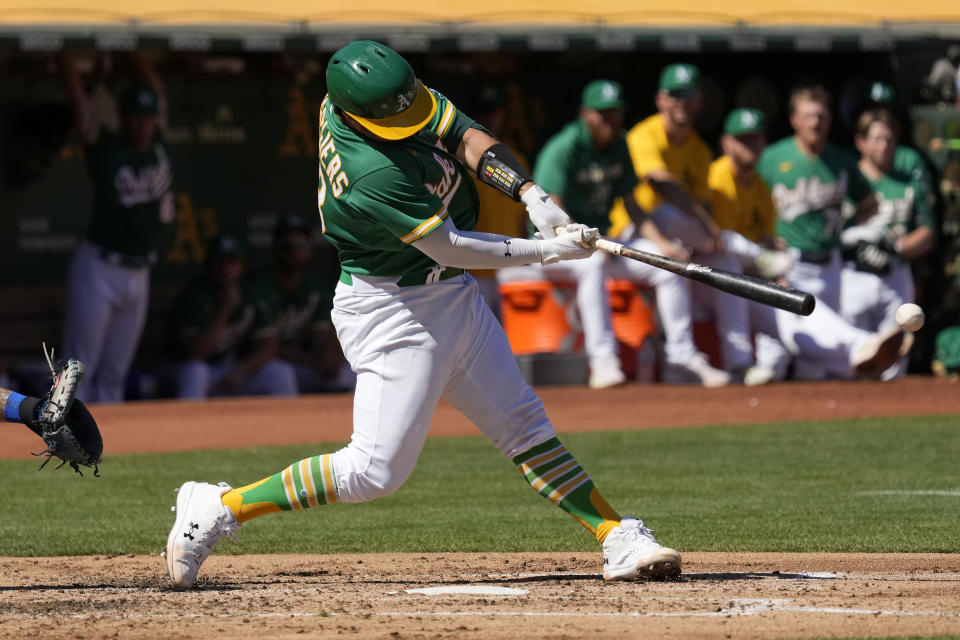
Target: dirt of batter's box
[[485, 595]]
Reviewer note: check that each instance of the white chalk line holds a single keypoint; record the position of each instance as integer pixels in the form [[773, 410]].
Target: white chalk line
[[915, 492], [739, 607]]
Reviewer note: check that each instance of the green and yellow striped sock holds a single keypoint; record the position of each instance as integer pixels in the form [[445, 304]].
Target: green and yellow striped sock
[[307, 483], [555, 474]]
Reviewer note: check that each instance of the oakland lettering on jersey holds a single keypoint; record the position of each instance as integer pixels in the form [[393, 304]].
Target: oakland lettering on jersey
[[809, 194], [447, 186], [894, 213], [149, 184]]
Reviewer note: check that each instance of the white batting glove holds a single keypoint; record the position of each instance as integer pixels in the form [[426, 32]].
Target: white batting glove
[[872, 233], [575, 241], [544, 213]]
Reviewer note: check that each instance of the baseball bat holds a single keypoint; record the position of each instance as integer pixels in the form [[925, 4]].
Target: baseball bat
[[757, 289]]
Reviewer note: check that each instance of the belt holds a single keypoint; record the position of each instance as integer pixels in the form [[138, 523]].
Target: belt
[[820, 256], [124, 260], [414, 278]]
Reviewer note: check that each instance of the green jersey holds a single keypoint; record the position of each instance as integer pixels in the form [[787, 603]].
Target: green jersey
[[377, 198], [196, 308], [297, 312], [810, 192], [909, 162], [131, 195], [898, 207], [586, 179]]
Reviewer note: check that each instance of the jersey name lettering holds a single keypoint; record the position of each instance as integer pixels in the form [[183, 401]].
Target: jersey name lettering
[[331, 169]]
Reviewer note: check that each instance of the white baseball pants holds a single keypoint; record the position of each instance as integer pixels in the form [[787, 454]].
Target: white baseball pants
[[870, 302], [106, 311], [196, 379], [410, 346], [821, 280]]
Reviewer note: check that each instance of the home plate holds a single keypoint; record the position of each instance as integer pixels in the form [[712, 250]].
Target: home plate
[[470, 589]]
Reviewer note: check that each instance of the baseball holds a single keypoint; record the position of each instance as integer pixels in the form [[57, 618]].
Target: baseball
[[909, 316]]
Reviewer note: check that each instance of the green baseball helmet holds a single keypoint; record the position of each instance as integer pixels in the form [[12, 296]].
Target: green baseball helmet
[[377, 87]]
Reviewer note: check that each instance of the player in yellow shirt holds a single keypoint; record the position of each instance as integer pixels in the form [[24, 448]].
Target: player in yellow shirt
[[498, 213], [741, 200], [672, 162]]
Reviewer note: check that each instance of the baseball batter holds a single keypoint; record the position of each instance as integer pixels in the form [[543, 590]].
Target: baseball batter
[[397, 200], [108, 285], [810, 178]]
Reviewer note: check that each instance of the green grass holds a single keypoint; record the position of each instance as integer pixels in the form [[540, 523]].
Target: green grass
[[795, 487]]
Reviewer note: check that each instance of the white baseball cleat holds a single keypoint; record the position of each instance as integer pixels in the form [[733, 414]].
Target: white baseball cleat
[[880, 351], [697, 370], [202, 521], [605, 372], [759, 375], [630, 552]]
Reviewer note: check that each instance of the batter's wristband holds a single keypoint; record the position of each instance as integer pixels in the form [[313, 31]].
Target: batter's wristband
[[500, 169]]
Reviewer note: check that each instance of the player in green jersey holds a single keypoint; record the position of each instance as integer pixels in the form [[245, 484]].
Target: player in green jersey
[[223, 331], [906, 160], [810, 179], [397, 201], [877, 277], [301, 300]]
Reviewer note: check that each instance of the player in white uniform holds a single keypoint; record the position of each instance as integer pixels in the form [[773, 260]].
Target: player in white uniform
[[394, 192]]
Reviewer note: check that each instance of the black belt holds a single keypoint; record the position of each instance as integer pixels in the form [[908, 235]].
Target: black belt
[[124, 260], [413, 279], [820, 256]]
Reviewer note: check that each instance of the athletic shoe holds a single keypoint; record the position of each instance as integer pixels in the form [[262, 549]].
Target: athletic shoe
[[605, 372], [880, 351], [630, 552], [759, 375], [202, 521], [59, 398], [773, 265], [696, 371]]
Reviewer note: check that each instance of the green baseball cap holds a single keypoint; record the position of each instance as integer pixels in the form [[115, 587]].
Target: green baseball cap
[[743, 121], [881, 93], [679, 77], [603, 94]]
